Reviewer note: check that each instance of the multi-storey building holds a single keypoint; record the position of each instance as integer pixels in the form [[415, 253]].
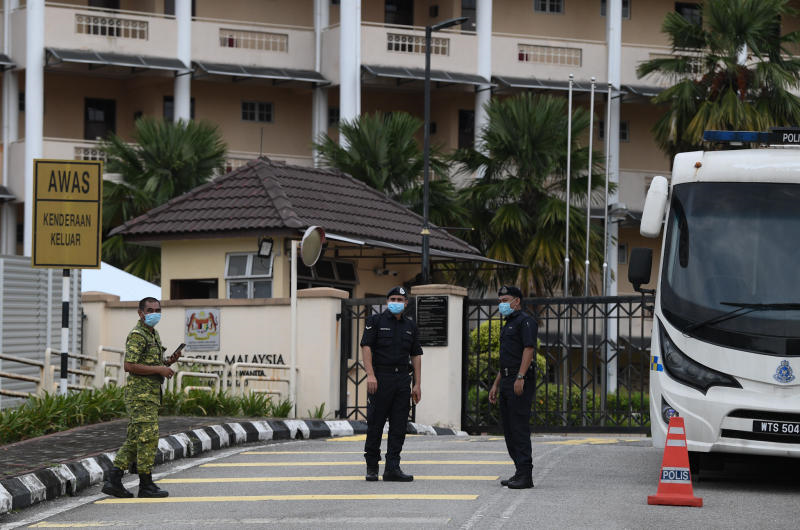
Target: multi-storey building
[[275, 74]]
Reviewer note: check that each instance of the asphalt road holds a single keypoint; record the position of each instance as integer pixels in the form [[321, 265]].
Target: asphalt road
[[581, 482]]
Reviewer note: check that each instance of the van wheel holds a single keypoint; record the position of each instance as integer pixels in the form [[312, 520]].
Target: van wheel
[[695, 460]]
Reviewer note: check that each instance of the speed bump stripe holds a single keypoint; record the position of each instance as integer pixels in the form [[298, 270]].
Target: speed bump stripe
[[317, 497]]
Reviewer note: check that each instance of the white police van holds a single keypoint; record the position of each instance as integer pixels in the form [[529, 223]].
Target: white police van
[[726, 327]]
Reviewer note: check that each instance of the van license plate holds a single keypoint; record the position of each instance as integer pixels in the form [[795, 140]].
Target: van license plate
[[776, 427]]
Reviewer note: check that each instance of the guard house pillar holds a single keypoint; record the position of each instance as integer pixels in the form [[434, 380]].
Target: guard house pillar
[[439, 314]]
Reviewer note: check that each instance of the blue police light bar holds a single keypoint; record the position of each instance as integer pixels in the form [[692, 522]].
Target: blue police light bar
[[775, 136], [736, 136]]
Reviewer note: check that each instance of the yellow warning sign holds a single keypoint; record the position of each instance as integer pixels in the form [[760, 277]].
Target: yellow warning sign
[[67, 213]]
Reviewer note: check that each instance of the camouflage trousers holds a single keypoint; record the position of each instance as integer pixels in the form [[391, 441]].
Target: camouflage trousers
[[141, 441]]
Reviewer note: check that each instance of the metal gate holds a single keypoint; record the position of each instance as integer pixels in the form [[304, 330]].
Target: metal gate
[[353, 377], [591, 366]]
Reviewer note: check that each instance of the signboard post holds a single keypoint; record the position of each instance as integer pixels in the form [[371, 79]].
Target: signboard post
[[67, 221]]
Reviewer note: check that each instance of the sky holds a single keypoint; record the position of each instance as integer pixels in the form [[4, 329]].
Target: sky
[[111, 280]]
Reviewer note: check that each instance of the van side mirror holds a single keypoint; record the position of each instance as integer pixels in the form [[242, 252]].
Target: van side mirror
[[639, 268], [654, 207]]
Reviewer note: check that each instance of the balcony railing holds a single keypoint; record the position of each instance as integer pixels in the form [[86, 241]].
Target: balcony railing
[[531, 53], [108, 26], [254, 40], [398, 42]]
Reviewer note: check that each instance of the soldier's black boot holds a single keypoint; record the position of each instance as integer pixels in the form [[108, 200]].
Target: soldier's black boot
[[113, 484], [395, 474], [147, 487], [372, 473]]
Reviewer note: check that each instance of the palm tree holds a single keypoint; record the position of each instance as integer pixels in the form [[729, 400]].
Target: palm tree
[[519, 206], [383, 152], [166, 160], [733, 72]]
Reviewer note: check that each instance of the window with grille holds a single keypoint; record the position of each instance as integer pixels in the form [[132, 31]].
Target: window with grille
[[532, 53], [257, 111], [624, 130], [248, 275], [548, 6]]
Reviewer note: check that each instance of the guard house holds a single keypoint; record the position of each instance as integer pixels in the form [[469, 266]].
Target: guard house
[[229, 238]]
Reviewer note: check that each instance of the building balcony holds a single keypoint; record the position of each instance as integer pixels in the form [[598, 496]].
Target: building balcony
[[74, 149]]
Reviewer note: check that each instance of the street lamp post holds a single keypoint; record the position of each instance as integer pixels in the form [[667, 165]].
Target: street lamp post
[[426, 274]]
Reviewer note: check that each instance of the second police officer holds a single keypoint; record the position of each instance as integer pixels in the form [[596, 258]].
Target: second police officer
[[389, 344], [514, 385]]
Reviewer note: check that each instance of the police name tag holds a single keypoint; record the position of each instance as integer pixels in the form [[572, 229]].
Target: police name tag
[[776, 427]]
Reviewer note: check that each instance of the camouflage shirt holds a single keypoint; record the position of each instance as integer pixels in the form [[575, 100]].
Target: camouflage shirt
[[143, 346]]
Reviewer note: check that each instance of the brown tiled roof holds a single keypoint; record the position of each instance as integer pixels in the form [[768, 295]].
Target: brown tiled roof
[[267, 196]]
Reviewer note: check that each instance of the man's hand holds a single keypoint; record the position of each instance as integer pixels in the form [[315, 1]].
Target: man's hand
[[165, 371], [416, 394], [372, 384], [519, 386], [493, 394]]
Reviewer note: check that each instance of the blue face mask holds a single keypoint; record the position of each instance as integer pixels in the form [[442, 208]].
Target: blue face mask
[[396, 307], [151, 319], [505, 308]]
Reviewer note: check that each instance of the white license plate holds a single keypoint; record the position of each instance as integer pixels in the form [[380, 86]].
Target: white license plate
[[776, 427]]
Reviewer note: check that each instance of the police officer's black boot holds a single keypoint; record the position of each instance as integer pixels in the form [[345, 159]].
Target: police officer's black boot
[[521, 482], [372, 473], [505, 481], [113, 484], [147, 487], [395, 474]]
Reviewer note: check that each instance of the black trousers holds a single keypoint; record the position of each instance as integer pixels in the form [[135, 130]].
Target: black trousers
[[515, 413], [391, 401]]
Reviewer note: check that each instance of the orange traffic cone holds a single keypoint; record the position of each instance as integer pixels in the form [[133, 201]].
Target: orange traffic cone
[[675, 485]]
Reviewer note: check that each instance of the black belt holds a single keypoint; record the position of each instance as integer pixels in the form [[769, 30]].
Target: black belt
[[391, 368], [511, 372]]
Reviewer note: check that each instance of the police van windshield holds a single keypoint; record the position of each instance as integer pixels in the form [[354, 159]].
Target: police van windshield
[[734, 242]]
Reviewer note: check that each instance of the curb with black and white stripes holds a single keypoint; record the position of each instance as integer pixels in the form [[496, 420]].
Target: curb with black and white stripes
[[68, 479]]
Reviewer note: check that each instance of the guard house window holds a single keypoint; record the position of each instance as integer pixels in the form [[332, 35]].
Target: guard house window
[[248, 276], [690, 12], [327, 273], [624, 130], [548, 6], [626, 8], [466, 128], [169, 108], [399, 12], [257, 111], [468, 9], [100, 118], [192, 289]]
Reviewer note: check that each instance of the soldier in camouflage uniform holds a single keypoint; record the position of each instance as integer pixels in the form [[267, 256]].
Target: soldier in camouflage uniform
[[147, 369]]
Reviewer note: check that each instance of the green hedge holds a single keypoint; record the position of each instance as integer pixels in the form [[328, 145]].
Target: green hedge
[[41, 415]]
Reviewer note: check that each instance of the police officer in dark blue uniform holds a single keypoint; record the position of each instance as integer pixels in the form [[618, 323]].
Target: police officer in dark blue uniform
[[514, 385], [388, 346]]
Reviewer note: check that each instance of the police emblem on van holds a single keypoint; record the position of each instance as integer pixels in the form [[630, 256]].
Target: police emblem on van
[[784, 373]]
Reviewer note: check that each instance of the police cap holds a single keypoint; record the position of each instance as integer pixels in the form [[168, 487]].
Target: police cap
[[510, 290], [397, 290]]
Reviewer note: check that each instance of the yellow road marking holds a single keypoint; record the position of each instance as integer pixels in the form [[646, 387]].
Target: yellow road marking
[[362, 437], [592, 441], [333, 497], [360, 463], [315, 479], [476, 451], [45, 524]]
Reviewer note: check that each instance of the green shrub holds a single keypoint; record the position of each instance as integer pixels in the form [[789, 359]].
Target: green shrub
[[318, 412], [281, 409], [256, 405]]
